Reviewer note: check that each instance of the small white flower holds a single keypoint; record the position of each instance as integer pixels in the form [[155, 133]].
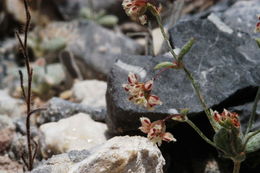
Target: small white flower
[[140, 93], [136, 9], [156, 131]]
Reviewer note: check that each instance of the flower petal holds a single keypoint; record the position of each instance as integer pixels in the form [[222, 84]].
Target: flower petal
[[168, 137], [132, 78], [154, 100], [146, 123], [148, 85]]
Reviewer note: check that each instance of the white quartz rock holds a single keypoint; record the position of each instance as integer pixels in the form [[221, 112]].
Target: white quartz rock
[[90, 92], [74, 133], [123, 155]]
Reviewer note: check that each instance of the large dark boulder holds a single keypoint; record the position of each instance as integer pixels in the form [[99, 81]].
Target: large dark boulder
[[96, 47], [242, 16], [91, 49], [227, 67]]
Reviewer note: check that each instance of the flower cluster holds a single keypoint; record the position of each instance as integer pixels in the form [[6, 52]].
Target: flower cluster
[[140, 93], [156, 131], [227, 119], [257, 27], [136, 9]]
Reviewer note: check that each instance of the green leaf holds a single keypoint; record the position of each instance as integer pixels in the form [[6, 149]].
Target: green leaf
[[54, 44], [186, 48], [229, 141], [108, 20], [165, 64], [253, 144], [221, 139], [258, 41], [185, 111], [86, 13], [100, 14]]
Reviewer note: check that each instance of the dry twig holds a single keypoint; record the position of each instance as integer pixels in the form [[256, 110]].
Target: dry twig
[[27, 97]]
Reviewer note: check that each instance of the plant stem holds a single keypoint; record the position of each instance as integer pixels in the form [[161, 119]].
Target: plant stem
[[236, 166], [201, 99], [202, 135], [159, 21], [253, 113], [23, 45], [194, 83]]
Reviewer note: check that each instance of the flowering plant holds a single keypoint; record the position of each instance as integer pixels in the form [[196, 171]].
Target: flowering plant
[[228, 138], [156, 131], [140, 93], [136, 9]]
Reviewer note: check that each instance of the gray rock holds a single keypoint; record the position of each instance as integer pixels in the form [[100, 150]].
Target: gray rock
[[120, 154], [225, 65], [10, 106], [20, 124], [90, 93], [218, 9], [7, 61], [77, 156], [97, 48], [242, 16], [123, 155], [58, 109], [6, 122], [220, 24], [7, 129], [57, 163], [9, 166], [90, 48], [17, 148], [70, 9]]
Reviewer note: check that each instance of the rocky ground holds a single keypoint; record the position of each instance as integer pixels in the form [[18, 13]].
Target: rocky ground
[[82, 51]]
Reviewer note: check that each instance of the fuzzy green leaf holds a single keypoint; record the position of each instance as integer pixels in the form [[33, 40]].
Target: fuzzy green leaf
[[229, 141], [186, 48], [258, 41], [185, 111], [165, 64], [54, 44], [108, 20], [253, 143]]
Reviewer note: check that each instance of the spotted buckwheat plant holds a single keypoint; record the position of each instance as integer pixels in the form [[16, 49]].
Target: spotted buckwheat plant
[[136, 9], [227, 119], [228, 138], [140, 93], [156, 131]]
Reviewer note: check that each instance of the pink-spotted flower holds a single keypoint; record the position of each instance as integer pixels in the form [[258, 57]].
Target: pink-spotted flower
[[136, 9], [227, 119], [140, 93], [156, 131]]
